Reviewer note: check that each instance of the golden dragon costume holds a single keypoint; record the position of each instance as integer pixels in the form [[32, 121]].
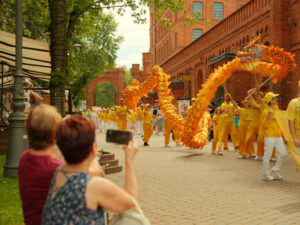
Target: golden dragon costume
[[258, 59]]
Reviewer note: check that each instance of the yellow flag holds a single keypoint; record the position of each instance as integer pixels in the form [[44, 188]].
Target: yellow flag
[[282, 120]]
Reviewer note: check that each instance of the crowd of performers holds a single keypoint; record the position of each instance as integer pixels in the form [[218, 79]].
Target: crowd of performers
[[143, 121], [251, 121]]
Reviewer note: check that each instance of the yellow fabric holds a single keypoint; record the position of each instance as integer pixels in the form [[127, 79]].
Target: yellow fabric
[[168, 128], [252, 131], [228, 116], [270, 127], [122, 112], [243, 116], [254, 114], [140, 114], [114, 116], [228, 127], [131, 116], [148, 129], [148, 117], [122, 124], [293, 113], [269, 96], [242, 133], [282, 119]]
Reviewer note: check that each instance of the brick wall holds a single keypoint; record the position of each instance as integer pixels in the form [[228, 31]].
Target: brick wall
[[166, 43], [115, 77]]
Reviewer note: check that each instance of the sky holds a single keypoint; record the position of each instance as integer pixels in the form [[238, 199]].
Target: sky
[[136, 40]]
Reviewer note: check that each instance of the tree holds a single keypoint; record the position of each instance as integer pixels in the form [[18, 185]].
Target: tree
[[64, 16], [105, 95], [98, 51]]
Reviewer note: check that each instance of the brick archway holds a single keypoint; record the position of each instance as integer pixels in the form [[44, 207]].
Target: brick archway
[[115, 77]]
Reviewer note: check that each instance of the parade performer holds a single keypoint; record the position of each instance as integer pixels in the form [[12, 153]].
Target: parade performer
[[217, 120], [114, 117], [272, 138], [266, 61], [147, 126], [160, 122], [260, 136], [242, 128], [293, 111], [100, 115], [122, 115], [140, 114], [131, 120], [256, 107], [228, 125]]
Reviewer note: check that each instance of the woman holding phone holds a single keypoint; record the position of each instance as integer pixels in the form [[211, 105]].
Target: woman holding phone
[[74, 196]]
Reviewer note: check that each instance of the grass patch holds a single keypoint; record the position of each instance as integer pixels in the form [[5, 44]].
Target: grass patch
[[10, 203]]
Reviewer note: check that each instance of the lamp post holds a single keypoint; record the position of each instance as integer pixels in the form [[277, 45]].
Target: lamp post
[[17, 140]]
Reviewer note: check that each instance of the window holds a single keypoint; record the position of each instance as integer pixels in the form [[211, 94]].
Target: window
[[197, 33], [197, 10], [240, 6], [218, 11]]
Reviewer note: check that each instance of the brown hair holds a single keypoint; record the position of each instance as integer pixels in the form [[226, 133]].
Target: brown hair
[[41, 126], [75, 138]]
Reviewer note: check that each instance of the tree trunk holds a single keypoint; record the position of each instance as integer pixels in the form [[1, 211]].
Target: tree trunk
[[58, 52]]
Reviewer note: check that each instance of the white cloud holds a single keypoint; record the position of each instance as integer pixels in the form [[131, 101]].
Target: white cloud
[[136, 39]]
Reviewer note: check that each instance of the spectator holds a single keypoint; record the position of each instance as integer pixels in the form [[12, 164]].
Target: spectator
[[38, 164], [75, 197]]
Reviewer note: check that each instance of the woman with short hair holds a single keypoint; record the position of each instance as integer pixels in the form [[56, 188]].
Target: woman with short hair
[[38, 164], [75, 197]]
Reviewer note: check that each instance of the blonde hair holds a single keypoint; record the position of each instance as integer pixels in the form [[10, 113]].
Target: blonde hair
[[41, 126]]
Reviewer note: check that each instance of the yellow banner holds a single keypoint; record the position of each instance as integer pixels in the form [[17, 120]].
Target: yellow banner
[[282, 120]]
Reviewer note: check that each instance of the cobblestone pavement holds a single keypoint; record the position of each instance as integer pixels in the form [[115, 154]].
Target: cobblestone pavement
[[181, 186]]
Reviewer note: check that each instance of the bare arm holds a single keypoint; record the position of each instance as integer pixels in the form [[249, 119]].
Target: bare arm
[[110, 196], [293, 132]]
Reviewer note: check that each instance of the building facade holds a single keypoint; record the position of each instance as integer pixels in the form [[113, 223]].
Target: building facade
[[164, 43], [277, 21]]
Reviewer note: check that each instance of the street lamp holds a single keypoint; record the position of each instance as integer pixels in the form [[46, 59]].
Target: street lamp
[[77, 47], [17, 140]]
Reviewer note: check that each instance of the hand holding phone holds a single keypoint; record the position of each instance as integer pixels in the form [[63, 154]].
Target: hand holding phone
[[119, 137], [130, 150]]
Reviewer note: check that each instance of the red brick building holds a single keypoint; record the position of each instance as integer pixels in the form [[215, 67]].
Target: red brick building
[[277, 20], [166, 43], [115, 77]]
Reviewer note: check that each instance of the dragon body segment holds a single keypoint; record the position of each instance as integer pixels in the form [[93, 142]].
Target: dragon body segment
[[267, 61]]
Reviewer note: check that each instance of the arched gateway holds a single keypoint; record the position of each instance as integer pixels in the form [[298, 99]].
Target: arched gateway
[[115, 77]]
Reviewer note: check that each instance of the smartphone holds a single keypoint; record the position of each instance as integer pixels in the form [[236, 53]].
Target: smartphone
[[119, 137]]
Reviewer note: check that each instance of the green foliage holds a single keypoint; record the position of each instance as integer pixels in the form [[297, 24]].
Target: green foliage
[[35, 16], [105, 95], [127, 74], [57, 78], [10, 204], [98, 51]]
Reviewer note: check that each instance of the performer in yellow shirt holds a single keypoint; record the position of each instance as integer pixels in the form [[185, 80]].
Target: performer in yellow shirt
[[273, 138], [242, 128], [228, 126], [140, 115], [293, 112], [168, 128], [253, 126], [122, 115], [147, 126], [217, 123]]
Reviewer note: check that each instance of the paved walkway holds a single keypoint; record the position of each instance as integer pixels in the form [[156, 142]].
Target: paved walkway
[[180, 186]]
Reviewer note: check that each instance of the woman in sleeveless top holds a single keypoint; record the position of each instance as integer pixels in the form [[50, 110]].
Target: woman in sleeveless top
[[74, 196]]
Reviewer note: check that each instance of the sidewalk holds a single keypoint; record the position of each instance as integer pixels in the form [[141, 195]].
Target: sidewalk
[[180, 186]]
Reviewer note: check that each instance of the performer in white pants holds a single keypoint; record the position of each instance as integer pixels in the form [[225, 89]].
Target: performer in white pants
[[272, 138]]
